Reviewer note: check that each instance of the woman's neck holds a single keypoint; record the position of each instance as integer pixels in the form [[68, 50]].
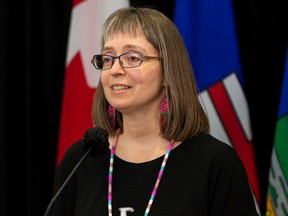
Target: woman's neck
[[141, 140]]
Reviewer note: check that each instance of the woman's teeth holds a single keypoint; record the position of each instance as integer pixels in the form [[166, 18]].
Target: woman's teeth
[[119, 87]]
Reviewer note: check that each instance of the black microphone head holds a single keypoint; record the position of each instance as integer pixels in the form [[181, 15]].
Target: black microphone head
[[97, 139]]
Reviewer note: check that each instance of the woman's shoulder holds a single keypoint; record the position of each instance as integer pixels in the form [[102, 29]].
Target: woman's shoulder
[[209, 143], [73, 154], [207, 151], [209, 147]]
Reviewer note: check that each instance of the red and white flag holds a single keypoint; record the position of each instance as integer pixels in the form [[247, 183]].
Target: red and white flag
[[81, 78]]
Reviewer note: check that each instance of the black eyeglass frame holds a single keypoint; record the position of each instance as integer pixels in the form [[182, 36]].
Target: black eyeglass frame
[[143, 58]]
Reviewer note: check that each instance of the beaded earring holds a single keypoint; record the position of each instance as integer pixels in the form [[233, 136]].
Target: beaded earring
[[163, 111], [112, 116]]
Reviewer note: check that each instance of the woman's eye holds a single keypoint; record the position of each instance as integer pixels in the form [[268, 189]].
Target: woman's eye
[[134, 58], [106, 59]]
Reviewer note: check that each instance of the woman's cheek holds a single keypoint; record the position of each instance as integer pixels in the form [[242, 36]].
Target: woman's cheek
[[104, 79]]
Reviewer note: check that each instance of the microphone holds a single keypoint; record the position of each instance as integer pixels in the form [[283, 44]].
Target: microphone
[[96, 139], [95, 142]]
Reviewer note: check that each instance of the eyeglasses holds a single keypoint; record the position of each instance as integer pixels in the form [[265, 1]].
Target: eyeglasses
[[126, 60]]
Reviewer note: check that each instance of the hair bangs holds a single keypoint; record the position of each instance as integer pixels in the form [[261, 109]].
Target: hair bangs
[[122, 24]]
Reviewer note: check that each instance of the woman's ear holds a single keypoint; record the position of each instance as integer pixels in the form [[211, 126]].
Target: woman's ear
[[164, 84]]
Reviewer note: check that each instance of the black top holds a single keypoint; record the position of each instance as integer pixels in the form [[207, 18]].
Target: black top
[[203, 177]]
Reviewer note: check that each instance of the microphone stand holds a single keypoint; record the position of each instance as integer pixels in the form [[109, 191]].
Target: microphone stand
[[66, 181]]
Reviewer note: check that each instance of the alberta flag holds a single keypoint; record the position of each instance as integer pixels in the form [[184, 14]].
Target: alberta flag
[[277, 199], [81, 79], [209, 32]]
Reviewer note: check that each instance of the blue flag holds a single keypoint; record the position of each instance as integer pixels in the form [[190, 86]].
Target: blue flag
[[277, 198], [209, 32]]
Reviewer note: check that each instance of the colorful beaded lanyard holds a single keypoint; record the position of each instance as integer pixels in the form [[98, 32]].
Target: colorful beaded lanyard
[[110, 177]]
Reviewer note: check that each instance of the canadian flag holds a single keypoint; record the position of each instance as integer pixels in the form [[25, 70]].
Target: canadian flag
[[81, 78]]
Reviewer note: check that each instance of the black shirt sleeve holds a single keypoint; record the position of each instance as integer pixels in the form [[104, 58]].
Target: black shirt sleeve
[[65, 202], [229, 190]]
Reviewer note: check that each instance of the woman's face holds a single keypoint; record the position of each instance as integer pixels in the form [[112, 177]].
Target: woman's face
[[131, 90]]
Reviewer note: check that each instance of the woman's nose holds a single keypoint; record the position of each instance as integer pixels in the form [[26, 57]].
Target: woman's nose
[[117, 68]]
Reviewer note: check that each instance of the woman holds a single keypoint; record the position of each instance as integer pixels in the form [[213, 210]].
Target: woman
[[161, 159]]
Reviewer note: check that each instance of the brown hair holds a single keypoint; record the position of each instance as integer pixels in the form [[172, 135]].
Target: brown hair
[[186, 117]]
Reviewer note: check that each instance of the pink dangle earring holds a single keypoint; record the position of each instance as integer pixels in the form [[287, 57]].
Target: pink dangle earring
[[112, 116], [163, 111]]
